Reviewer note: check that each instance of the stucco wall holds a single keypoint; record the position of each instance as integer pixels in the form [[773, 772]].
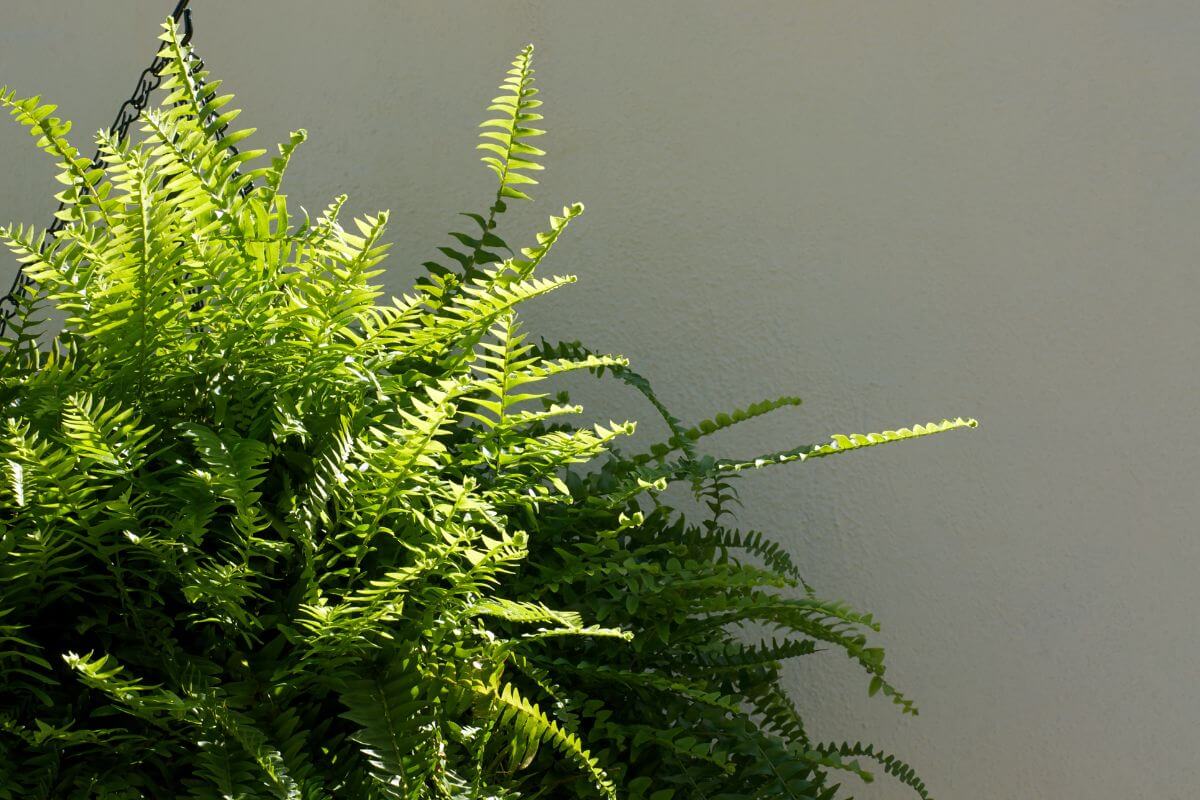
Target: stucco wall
[[900, 211]]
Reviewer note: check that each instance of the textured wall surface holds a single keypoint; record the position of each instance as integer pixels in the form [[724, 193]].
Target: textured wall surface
[[900, 211]]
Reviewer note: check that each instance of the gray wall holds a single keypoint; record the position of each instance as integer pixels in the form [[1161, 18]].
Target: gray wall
[[901, 211]]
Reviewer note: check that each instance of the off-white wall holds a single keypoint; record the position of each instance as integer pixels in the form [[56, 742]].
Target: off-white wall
[[898, 210]]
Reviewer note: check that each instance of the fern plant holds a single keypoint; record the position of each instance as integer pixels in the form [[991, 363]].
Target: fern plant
[[265, 533]]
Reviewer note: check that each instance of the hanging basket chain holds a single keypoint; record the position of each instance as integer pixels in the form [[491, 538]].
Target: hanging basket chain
[[130, 110]]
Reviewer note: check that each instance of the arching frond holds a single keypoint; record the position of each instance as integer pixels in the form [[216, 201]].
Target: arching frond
[[719, 423], [839, 443], [530, 727]]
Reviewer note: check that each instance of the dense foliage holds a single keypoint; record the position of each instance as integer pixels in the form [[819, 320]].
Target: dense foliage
[[264, 533]]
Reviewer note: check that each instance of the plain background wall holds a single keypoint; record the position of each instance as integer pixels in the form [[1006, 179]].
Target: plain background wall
[[901, 211]]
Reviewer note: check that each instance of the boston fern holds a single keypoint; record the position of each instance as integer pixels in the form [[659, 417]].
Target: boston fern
[[267, 534]]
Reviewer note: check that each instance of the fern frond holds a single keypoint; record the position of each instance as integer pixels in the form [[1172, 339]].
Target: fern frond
[[396, 728], [694, 691], [778, 712], [222, 771], [511, 159], [531, 726], [272, 176], [151, 702], [216, 717], [525, 612], [731, 655], [192, 100], [534, 256], [719, 423], [576, 351], [234, 472], [85, 198], [512, 155], [840, 443], [110, 440], [770, 552], [891, 765], [481, 303]]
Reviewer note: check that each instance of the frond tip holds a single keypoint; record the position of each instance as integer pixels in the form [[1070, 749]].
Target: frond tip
[[841, 443], [512, 156]]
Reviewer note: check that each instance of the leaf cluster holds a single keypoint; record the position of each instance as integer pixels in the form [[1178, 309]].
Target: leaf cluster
[[267, 533]]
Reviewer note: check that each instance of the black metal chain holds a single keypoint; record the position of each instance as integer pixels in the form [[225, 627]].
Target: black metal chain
[[130, 110]]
